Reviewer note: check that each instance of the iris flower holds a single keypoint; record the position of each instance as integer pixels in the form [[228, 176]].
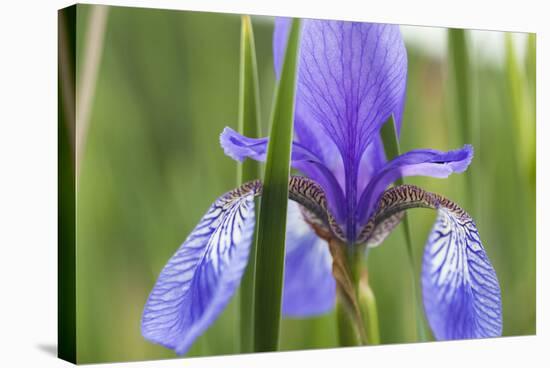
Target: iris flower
[[351, 80]]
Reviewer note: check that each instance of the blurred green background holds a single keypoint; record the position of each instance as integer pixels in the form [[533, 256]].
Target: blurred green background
[[167, 85]]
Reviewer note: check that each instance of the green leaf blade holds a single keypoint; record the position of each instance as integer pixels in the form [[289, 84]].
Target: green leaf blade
[[461, 75], [460, 69], [249, 125], [518, 90], [249, 98], [273, 205]]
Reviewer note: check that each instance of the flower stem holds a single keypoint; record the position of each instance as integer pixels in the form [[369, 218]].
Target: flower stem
[[347, 332], [346, 268], [369, 311]]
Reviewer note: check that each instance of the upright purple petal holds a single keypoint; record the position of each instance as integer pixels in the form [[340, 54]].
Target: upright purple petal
[[460, 288], [374, 158], [367, 48], [424, 162], [351, 78], [309, 287], [280, 38], [198, 281]]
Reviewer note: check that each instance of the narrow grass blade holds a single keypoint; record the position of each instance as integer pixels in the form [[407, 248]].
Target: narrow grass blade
[[391, 147], [459, 65], [532, 63], [532, 82], [249, 125], [87, 76], [272, 219], [524, 124]]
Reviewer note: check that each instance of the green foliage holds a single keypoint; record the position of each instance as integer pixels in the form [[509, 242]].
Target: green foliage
[[249, 125], [273, 205], [522, 112], [460, 70]]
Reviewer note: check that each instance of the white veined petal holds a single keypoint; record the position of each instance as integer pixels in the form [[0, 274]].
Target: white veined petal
[[198, 281], [460, 288]]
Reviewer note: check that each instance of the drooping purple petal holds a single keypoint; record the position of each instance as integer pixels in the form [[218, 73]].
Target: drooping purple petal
[[203, 274], [461, 292], [424, 162], [309, 287], [460, 288]]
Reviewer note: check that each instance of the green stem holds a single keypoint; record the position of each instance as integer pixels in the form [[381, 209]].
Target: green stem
[[367, 302], [419, 318], [346, 269], [347, 332]]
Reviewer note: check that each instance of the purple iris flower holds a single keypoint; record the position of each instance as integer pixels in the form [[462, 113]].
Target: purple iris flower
[[351, 80]]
